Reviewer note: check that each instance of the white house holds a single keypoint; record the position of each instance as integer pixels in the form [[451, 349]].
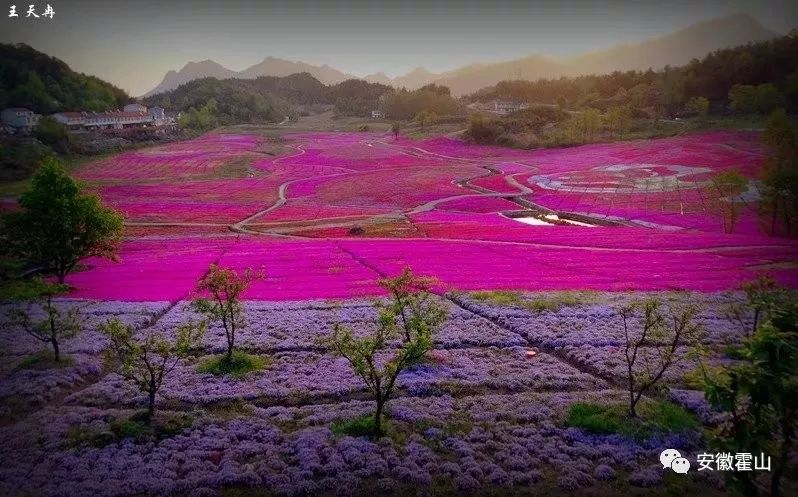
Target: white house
[[19, 119], [508, 106], [103, 120], [377, 114]]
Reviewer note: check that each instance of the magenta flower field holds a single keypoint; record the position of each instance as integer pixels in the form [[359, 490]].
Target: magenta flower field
[[485, 413], [336, 210]]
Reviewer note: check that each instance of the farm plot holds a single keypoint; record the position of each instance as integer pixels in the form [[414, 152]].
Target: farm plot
[[481, 414]]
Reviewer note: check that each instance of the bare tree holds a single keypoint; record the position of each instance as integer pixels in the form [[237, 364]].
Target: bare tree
[[147, 361], [654, 348], [57, 324], [420, 318]]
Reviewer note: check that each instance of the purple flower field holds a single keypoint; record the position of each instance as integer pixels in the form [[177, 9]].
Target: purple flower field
[[484, 414]]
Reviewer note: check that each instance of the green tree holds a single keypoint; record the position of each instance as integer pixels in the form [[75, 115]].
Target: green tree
[[561, 102], [781, 139], [369, 355], [759, 392], [618, 119], [51, 132], [58, 324], [225, 287], [425, 118], [762, 297], [655, 348], [59, 225], [780, 198], [699, 107], [728, 186], [147, 360], [742, 98], [780, 185], [768, 98]]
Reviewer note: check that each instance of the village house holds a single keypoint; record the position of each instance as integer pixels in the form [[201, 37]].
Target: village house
[[103, 120], [18, 120], [507, 106], [134, 108]]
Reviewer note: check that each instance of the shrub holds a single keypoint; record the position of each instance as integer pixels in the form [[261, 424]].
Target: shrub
[[655, 417], [359, 427], [759, 392], [239, 364]]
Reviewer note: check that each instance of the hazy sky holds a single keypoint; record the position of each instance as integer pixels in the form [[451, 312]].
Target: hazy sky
[[133, 43]]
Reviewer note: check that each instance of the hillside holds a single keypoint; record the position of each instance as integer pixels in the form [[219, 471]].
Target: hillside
[[270, 98], [772, 63], [44, 84], [674, 49], [270, 66]]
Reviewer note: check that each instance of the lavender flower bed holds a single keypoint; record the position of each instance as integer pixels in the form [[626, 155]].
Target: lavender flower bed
[[599, 324], [14, 340], [286, 326], [610, 361], [511, 442], [312, 374], [36, 387], [480, 414]]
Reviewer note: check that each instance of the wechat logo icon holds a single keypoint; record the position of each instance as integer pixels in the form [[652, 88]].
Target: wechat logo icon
[[671, 458]]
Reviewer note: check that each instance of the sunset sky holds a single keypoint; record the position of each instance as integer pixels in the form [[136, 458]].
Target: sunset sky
[[133, 43]]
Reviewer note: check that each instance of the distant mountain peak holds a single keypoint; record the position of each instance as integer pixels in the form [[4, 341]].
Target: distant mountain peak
[[676, 48]]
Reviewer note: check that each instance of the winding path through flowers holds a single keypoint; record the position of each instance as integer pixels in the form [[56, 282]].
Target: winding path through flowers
[[439, 205]]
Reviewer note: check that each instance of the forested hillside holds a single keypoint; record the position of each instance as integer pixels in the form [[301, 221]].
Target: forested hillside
[[667, 92], [44, 84], [269, 98]]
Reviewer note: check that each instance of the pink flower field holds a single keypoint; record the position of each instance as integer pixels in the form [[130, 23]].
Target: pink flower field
[[337, 210]]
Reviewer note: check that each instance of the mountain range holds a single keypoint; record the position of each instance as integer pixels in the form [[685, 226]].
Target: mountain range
[[673, 49]]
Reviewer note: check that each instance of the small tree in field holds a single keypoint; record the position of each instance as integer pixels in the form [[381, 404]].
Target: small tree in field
[[368, 355], [396, 128], [148, 360], [59, 225], [727, 186], [57, 324], [661, 332], [225, 287], [759, 392]]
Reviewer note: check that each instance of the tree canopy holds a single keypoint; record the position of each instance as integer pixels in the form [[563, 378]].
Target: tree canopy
[[59, 225], [44, 84]]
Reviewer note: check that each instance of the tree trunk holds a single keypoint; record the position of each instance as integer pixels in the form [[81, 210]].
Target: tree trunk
[[56, 351], [151, 404], [756, 321], [378, 418], [53, 334], [633, 404]]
